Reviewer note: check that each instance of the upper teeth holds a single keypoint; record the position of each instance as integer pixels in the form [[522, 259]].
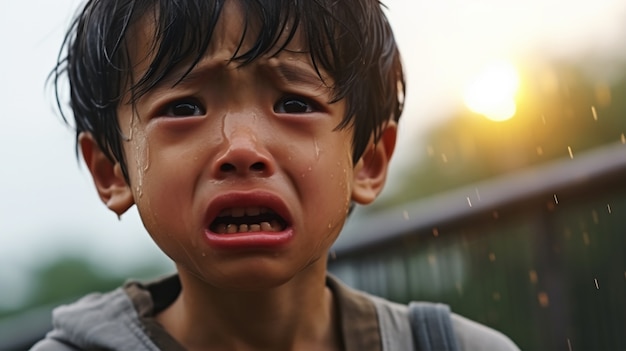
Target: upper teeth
[[243, 211]]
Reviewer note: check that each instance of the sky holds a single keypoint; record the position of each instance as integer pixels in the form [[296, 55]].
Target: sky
[[48, 206]]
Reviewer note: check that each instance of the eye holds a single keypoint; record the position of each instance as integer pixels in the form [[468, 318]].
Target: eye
[[295, 104], [183, 108]]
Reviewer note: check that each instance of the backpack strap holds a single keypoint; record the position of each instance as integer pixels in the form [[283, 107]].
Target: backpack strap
[[432, 326], [420, 326]]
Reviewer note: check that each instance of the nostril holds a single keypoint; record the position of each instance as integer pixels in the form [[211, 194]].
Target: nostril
[[258, 166], [227, 167]]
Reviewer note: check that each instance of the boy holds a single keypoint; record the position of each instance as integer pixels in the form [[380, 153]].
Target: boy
[[243, 131]]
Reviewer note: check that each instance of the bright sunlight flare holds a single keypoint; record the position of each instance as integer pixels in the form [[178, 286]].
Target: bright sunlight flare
[[492, 92]]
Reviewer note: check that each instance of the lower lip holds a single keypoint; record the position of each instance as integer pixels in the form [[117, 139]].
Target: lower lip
[[252, 240]]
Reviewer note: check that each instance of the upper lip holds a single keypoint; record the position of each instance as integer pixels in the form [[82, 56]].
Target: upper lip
[[246, 199]]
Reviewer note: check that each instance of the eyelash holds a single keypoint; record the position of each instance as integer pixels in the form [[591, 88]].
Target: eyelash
[[292, 101], [291, 104], [170, 110]]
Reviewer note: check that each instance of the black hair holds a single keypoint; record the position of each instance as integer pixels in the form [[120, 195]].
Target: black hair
[[350, 40]]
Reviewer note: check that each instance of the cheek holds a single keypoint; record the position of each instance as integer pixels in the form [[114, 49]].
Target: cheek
[[159, 187], [328, 179]]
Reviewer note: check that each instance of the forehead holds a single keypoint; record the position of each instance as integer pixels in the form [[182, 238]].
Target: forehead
[[234, 33]]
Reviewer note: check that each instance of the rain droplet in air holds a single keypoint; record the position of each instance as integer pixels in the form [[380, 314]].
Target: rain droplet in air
[[608, 208], [444, 158], [469, 201], [586, 240], [595, 280], [594, 113], [430, 151], [623, 138], [405, 215], [556, 200], [543, 299], [532, 275], [569, 150]]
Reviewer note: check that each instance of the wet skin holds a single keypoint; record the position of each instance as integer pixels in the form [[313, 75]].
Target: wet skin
[[205, 157]]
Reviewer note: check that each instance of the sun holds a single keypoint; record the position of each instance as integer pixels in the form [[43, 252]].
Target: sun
[[492, 92]]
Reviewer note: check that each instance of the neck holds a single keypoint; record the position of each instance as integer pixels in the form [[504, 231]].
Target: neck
[[298, 315]]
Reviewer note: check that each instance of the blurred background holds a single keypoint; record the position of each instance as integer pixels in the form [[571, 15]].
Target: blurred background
[[506, 200]]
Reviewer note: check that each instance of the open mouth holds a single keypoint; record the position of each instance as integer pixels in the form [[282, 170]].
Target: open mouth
[[247, 220]]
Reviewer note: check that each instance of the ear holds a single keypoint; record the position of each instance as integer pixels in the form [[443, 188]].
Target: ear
[[107, 176], [370, 172]]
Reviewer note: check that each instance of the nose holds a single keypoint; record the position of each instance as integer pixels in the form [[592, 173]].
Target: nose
[[243, 155]]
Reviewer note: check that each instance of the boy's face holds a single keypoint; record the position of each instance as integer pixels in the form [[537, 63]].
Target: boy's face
[[238, 173]]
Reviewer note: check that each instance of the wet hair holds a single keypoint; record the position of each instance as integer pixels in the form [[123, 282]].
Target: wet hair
[[349, 40]]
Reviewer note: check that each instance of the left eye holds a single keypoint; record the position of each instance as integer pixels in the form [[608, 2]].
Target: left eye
[[183, 109], [294, 105]]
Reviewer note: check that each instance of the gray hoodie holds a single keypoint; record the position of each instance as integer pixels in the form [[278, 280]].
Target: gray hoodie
[[123, 320]]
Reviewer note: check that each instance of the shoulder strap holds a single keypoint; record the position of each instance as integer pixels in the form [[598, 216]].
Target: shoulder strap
[[432, 326]]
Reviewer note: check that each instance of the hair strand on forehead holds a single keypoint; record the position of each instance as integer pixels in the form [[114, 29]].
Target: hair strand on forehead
[[350, 41]]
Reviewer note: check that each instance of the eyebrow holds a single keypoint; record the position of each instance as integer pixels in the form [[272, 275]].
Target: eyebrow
[[184, 75], [295, 73], [282, 71]]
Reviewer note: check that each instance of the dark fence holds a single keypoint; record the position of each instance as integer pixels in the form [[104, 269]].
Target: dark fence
[[539, 255]]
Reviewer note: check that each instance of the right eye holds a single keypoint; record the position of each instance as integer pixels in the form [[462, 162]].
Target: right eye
[[183, 108]]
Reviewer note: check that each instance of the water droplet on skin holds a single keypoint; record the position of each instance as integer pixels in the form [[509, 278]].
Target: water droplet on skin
[[317, 150], [310, 168], [147, 160]]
